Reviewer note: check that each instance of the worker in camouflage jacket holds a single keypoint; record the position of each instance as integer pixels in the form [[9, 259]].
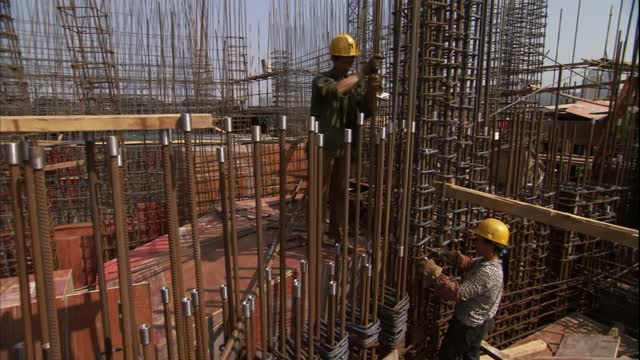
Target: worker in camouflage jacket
[[336, 100], [478, 296]]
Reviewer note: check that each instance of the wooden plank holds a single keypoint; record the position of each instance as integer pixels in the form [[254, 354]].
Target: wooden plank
[[492, 352], [604, 346], [29, 124], [531, 348], [610, 232], [79, 317]]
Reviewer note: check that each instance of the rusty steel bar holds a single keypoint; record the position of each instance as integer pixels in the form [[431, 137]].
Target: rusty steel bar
[[190, 165], [231, 208], [252, 303], [304, 285], [387, 206], [345, 237], [14, 160], [34, 230], [90, 149], [356, 227], [405, 235], [124, 272], [282, 133], [246, 307], [145, 341], [365, 294], [200, 335], [320, 227], [269, 305], [297, 306], [331, 314], [405, 204], [175, 256], [378, 256], [230, 269], [187, 310], [233, 345], [257, 166], [226, 313], [311, 222], [168, 329]]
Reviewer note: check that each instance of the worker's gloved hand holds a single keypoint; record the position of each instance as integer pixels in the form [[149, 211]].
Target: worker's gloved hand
[[445, 254], [373, 65], [429, 268]]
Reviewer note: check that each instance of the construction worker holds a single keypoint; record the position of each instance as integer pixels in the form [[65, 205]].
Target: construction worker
[[336, 101], [478, 295]]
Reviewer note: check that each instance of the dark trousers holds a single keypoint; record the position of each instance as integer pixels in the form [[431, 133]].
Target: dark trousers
[[334, 181], [462, 341]]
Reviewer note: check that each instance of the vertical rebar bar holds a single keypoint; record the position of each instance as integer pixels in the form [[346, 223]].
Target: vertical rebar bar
[[175, 256], [168, 329], [124, 272], [187, 310], [246, 307], [257, 166], [200, 333], [269, 309], [319, 224], [192, 191], [231, 208], [297, 299], [13, 159], [356, 225], [345, 236], [282, 132], [230, 269], [34, 232], [90, 149], [252, 302], [377, 244], [145, 341], [226, 313], [311, 222]]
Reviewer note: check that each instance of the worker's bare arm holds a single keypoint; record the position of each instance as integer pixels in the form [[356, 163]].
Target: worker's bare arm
[[347, 84]]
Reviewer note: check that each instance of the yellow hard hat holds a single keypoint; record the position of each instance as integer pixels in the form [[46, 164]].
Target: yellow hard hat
[[493, 230], [343, 45]]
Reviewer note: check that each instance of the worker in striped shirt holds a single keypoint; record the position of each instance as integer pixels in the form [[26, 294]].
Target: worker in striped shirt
[[478, 296]]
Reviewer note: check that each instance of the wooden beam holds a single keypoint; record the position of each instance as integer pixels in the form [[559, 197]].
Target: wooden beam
[[492, 352], [31, 124], [535, 347], [617, 234]]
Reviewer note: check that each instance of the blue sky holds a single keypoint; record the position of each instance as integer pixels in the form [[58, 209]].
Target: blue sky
[[592, 28]]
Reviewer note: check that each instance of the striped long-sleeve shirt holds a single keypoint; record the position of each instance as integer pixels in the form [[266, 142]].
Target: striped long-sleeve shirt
[[478, 296]]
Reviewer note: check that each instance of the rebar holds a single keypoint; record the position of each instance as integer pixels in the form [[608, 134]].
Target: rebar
[[283, 233], [168, 329], [129, 333], [36, 239], [175, 257], [14, 160], [189, 153], [257, 165], [190, 339], [145, 341], [90, 148], [345, 238]]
